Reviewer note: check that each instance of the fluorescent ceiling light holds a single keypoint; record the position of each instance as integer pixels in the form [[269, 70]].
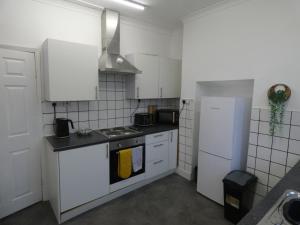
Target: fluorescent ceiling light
[[131, 4]]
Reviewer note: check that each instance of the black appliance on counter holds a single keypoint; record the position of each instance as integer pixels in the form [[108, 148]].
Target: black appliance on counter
[[168, 116], [62, 127], [143, 119]]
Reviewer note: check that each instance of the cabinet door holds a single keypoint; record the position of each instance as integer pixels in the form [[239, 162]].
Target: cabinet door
[[157, 159], [72, 67], [169, 78], [84, 175], [145, 84], [173, 137]]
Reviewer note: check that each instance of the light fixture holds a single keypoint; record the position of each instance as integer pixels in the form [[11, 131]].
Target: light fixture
[[131, 4]]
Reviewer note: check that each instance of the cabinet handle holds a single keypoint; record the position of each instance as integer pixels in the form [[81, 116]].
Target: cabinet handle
[[156, 146], [107, 152], [161, 92], [159, 135], [96, 89], [138, 92], [160, 161], [171, 136]]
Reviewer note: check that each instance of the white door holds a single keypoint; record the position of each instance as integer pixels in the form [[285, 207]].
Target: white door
[[169, 78], [84, 175], [211, 172], [217, 126], [147, 82], [20, 169]]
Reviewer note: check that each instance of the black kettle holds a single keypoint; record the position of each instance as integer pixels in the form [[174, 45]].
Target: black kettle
[[62, 127]]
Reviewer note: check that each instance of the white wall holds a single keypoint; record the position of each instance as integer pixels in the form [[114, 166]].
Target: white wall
[[253, 39], [29, 22]]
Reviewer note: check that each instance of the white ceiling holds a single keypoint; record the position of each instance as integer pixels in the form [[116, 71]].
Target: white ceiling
[[163, 13]]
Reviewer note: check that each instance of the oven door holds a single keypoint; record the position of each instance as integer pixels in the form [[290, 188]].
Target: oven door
[[115, 181]]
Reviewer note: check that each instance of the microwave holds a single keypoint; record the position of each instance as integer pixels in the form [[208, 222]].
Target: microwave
[[168, 116]]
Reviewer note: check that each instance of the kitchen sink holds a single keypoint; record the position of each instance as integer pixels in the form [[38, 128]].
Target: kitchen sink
[[286, 211]]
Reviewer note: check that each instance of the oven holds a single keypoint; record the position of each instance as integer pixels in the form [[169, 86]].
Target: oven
[[114, 148]]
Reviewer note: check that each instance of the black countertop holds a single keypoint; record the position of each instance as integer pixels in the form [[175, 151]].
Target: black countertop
[[290, 182], [76, 141]]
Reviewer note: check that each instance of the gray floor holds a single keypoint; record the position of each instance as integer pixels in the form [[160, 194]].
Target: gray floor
[[169, 201]]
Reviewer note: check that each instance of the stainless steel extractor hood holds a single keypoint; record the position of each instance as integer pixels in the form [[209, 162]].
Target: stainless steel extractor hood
[[111, 60]]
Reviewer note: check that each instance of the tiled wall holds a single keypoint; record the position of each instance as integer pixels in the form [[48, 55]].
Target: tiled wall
[[186, 130], [271, 157], [111, 110]]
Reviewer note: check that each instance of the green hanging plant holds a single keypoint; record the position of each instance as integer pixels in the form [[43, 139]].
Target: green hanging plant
[[278, 96]]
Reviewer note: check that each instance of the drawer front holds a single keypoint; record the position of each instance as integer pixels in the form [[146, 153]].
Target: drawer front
[[158, 137], [158, 151], [156, 168]]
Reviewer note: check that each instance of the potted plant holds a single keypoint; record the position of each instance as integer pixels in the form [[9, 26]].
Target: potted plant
[[278, 95]]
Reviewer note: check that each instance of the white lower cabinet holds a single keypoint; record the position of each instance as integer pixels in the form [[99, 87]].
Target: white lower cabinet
[[173, 149], [157, 158], [84, 175], [161, 153], [78, 179]]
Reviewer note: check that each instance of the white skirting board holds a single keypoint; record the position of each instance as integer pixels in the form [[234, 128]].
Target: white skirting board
[[88, 206]]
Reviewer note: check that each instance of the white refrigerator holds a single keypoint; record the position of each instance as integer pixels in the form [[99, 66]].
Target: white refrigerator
[[223, 142]]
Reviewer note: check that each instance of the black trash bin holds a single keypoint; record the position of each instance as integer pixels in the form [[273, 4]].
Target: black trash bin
[[238, 197]]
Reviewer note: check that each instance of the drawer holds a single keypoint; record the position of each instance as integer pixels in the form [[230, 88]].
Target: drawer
[[158, 151], [156, 168], [158, 137]]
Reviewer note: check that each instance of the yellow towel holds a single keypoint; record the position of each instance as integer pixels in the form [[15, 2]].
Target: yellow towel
[[125, 163]]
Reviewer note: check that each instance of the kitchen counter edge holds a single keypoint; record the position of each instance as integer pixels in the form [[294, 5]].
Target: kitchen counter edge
[[290, 181], [76, 141]]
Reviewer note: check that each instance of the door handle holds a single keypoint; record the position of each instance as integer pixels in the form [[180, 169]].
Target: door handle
[[156, 146], [159, 135], [107, 152], [158, 162]]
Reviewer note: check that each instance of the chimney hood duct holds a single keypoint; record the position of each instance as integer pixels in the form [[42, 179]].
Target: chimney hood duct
[[111, 60]]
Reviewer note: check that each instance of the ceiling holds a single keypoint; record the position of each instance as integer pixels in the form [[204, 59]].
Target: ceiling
[[162, 13]]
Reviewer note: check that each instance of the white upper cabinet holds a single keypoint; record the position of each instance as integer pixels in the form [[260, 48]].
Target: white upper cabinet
[[169, 78], [160, 77], [144, 85], [70, 71]]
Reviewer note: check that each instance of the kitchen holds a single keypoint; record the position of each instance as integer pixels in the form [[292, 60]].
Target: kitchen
[[212, 49]]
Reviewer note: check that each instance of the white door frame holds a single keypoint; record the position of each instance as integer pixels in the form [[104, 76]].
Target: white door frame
[[40, 96]]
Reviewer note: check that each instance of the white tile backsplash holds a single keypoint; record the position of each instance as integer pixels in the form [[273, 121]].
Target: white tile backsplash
[[254, 126], [255, 114], [294, 147], [265, 140], [279, 157], [252, 150], [264, 153], [292, 159], [262, 165], [295, 132], [271, 157], [111, 110], [296, 118], [277, 170], [280, 143], [253, 138]]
